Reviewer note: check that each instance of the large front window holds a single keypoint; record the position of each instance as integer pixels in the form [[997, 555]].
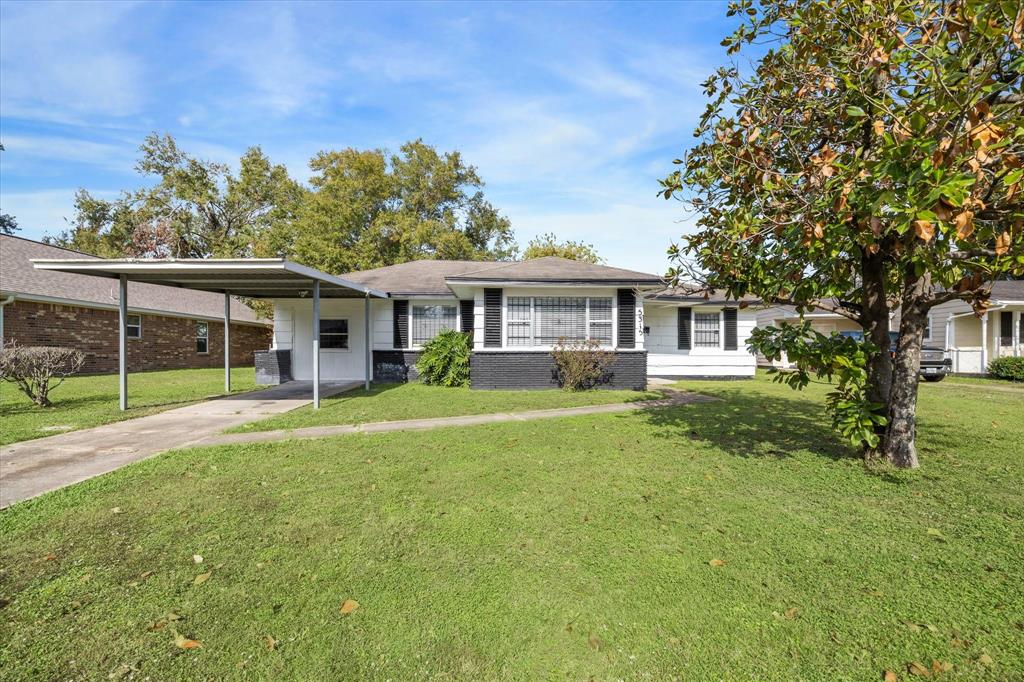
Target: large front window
[[429, 320], [544, 320], [705, 330]]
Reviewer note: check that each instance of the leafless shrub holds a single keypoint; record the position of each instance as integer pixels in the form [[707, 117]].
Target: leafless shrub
[[37, 370], [580, 364]]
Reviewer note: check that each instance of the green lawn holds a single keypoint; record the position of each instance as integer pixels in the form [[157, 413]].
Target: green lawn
[[85, 401], [390, 402], [576, 548]]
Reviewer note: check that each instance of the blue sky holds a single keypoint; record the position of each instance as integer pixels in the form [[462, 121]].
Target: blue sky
[[571, 112]]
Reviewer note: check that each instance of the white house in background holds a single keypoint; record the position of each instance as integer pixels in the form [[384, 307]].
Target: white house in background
[[970, 341]]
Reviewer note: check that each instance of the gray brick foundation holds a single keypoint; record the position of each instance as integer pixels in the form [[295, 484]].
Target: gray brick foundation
[[511, 370], [273, 367], [395, 366]]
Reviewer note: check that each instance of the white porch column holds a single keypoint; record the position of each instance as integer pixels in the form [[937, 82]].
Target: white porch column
[[227, 342], [984, 342], [1016, 333], [316, 345], [369, 351], [122, 341]]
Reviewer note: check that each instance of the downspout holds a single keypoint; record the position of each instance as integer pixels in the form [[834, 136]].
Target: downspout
[[8, 300]]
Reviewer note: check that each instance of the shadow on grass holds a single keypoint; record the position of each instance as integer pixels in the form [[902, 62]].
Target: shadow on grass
[[749, 424]]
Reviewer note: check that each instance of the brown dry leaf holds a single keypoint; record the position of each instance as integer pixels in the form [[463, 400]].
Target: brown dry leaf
[[889, 676], [924, 229], [202, 578], [941, 666], [271, 642], [918, 669], [964, 223], [1018, 30], [878, 127], [183, 642], [1003, 244], [716, 563], [594, 642], [146, 574], [348, 606], [754, 134], [791, 612], [50, 557], [985, 660]]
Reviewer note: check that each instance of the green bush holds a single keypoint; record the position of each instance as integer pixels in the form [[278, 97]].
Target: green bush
[[445, 359], [1011, 369]]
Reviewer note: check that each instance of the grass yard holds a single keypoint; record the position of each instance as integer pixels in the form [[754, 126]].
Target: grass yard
[[731, 540], [81, 402], [391, 402]]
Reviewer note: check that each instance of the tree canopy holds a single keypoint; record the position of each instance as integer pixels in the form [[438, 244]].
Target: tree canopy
[[870, 159], [548, 245]]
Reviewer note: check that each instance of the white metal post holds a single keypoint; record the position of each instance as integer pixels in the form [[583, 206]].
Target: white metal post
[[984, 343], [122, 344], [227, 342], [369, 352], [316, 345]]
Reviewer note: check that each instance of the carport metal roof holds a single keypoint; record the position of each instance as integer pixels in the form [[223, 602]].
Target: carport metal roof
[[248, 277]]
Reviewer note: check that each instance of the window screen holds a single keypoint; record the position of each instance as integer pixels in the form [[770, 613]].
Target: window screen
[[428, 320], [334, 334], [134, 325], [705, 330], [559, 317], [519, 321], [202, 337], [601, 320]]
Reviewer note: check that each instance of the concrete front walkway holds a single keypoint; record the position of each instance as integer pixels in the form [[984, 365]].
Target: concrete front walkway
[[34, 467]]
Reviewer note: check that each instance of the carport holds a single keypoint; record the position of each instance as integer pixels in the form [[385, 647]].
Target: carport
[[259, 278]]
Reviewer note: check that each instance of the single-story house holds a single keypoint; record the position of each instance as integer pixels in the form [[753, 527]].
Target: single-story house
[[168, 327], [373, 324], [952, 326]]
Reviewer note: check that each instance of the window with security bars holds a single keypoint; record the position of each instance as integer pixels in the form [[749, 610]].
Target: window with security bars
[[520, 321], [429, 320], [544, 320], [706, 330]]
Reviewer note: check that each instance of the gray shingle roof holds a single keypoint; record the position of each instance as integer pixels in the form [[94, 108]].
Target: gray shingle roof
[[18, 277], [1008, 290], [418, 277]]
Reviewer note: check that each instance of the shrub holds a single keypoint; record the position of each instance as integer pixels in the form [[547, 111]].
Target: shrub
[[445, 359], [37, 370], [580, 365], [1011, 369]]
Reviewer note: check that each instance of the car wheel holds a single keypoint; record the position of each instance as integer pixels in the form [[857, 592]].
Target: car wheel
[[934, 378]]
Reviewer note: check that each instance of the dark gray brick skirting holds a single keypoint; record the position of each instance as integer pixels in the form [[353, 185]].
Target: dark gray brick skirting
[[395, 366], [536, 369], [273, 367]]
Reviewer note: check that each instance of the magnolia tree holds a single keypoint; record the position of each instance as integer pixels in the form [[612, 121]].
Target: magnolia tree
[[868, 159]]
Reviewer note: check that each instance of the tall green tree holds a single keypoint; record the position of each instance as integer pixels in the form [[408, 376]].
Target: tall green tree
[[548, 245], [869, 159], [369, 208]]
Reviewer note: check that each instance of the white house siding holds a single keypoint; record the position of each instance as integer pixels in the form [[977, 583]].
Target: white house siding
[[664, 358], [349, 363]]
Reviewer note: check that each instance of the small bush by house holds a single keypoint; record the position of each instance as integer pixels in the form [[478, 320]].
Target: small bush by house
[[37, 370], [445, 359], [1011, 369], [580, 364]]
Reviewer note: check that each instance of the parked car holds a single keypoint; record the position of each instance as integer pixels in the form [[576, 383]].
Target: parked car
[[935, 362]]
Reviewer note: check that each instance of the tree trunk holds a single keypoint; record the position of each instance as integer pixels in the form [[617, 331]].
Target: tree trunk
[[875, 321], [899, 445]]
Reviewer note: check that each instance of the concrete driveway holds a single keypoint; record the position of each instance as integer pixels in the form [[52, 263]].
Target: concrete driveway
[[34, 467]]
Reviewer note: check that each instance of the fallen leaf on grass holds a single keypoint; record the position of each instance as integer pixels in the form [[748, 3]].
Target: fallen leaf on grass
[[985, 660], [183, 642], [115, 510], [889, 676], [271, 642], [791, 612], [594, 642], [50, 557], [146, 574], [918, 669], [197, 558], [941, 666], [716, 563], [202, 578], [348, 606]]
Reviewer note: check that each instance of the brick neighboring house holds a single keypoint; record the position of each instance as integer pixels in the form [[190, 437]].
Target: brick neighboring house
[[166, 324]]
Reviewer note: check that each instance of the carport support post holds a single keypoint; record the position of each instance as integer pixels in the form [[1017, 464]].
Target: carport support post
[[227, 342], [316, 344], [369, 351], [122, 341]]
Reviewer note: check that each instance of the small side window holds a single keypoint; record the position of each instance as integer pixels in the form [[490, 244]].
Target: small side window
[[134, 324], [202, 337]]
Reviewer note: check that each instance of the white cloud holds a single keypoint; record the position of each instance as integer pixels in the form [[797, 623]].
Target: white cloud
[[19, 148], [42, 212]]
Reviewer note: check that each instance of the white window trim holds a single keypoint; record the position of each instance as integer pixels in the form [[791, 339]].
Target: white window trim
[[205, 336], [693, 329], [129, 326], [534, 346], [348, 336]]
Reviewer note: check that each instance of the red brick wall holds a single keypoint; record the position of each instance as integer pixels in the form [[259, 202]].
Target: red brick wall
[[166, 343]]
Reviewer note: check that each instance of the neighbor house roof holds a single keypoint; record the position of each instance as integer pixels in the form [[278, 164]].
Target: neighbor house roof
[[1008, 290], [20, 278], [432, 277], [699, 294]]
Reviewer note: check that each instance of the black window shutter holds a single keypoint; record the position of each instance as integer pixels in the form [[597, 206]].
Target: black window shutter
[[492, 318], [730, 328], [627, 318], [1006, 328], [684, 317], [400, 323], [466, 313]]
